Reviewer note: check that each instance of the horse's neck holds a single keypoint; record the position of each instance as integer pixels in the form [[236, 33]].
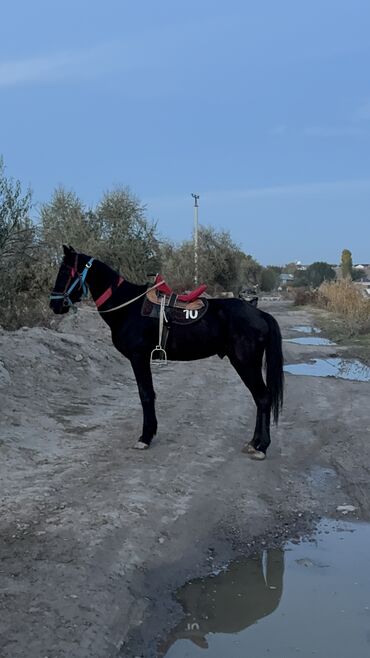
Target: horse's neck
[[102, 277]]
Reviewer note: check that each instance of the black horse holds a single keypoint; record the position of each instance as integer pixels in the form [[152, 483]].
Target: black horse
[[230, 327]]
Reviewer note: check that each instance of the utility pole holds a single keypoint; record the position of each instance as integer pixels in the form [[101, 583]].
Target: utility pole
[[195, 197]]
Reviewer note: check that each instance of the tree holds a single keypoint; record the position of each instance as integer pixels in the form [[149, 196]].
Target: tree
[[222, 264], [314, 275], [17, 251], [346, 264], [116, 231], [269, 278], [357, 275], [16, 230], [319, 272], [64, 219], [127, 240], [290, 268]]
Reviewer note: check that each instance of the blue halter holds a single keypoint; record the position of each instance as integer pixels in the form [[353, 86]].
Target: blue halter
[[79, 281]]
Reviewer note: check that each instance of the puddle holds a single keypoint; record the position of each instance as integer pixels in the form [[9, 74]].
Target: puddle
[[311, 599], [309, 340], [305, 329], [335, 367]]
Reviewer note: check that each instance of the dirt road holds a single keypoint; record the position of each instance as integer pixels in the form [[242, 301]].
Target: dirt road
[[95, 536]]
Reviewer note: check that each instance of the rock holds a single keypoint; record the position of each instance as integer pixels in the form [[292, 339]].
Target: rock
[[4, 376], [78, 357], [346, 508], [305, 562]]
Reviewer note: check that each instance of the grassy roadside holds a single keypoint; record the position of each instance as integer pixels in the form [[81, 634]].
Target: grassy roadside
[[334, 328]]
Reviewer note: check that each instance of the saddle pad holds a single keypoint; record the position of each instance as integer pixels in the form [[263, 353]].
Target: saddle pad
[[182, 313], [196, 305]]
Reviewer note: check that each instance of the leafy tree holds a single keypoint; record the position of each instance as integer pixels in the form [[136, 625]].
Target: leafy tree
[[276, 268], [357, 275], [127, 240], [314, 275], [290, 268], [221, 263], [17, 251], [64, 219], [269, 279], [346, 264], [16, 230], [115, 231], [319, 272]]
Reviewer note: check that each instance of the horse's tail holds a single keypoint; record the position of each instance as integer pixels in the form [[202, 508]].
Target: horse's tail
[[274, 366]]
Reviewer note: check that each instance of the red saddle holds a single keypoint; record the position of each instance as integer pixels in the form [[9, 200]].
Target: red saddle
[[188, 297]]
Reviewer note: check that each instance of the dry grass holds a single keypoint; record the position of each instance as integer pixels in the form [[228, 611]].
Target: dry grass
[[345, 300]]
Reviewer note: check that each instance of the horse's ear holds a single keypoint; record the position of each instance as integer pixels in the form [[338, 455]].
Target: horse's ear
[[68, 250]]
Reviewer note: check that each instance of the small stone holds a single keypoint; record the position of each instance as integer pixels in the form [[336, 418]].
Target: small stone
[[346, 508], [305, 562], [78, 357]]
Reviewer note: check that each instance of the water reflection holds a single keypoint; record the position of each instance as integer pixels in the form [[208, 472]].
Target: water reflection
[[230, 601], [310, 340], [305, 329], [341, 368], [324, 611]]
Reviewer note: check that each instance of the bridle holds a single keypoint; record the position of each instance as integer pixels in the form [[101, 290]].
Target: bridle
[[79, 281]]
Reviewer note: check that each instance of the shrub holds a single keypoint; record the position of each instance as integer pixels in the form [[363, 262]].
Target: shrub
[[346, 300], [303, 296]]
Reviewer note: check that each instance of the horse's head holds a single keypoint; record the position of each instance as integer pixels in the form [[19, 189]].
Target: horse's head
[[70, 282]]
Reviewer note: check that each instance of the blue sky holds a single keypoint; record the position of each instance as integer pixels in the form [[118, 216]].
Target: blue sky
[[263, 108]]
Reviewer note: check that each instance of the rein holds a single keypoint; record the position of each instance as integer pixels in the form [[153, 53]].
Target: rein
[[131, 301]]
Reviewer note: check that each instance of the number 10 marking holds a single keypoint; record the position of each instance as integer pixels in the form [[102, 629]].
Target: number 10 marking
[[190, 315]]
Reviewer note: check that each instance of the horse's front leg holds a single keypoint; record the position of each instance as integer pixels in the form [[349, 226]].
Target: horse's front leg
[[141, 367]]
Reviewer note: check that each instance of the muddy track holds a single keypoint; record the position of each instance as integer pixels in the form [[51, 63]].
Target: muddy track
[[96, 536]]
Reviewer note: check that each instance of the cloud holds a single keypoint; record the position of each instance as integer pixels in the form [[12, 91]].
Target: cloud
[[363, 112], [279, 130], [335, 131], [313, 189], [149, 49], [61, 65], [355, 126]]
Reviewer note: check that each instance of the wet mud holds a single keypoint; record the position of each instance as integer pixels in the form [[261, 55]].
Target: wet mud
[[96, 538]]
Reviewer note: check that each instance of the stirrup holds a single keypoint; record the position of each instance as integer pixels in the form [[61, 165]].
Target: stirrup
[[158, 356]]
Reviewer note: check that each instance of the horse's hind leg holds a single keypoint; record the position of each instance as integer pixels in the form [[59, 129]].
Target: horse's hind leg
[[251, 374]]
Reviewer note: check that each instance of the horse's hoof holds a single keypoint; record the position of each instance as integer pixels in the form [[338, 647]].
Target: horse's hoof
[[253, 453], [140, 445]]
